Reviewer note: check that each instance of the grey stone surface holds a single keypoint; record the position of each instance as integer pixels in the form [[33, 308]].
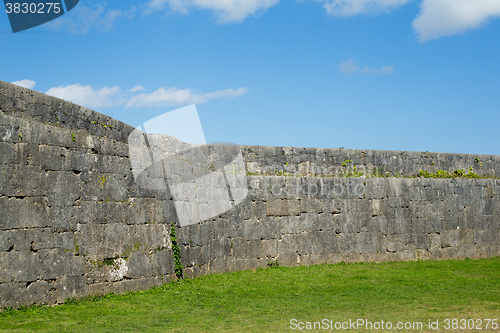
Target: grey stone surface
[[73, 221]]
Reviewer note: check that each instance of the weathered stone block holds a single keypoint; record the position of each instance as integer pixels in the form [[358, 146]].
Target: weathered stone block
[[23, 213], [139, 265], [274, 207], [375, 188], [63, 188], [449, 238], [13, 240], [289, 224]]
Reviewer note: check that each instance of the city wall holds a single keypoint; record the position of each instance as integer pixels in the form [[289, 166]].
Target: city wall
[[73, 221]]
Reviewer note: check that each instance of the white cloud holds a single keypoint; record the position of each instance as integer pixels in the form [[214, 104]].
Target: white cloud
[[381, 70], [355, 7], [137, 88], [176, 97], [88, 96], [108, 97], [25, 83], [181, 6], [350, 67], [82, 18], [225, 10], [437, 18], [440, 18]]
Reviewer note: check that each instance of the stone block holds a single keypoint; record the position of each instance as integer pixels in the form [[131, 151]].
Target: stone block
[[308, 222], [20, 266], [367, 242], [162, 262], [7, 152], [63, 188], [117, 239], [240, 248], [255, 248], [270, 228], [450, 238], [250, 229], [310, 204], [378, 225], [9, 129], [328, 242], [43, 238], [105, 288], [139, 265], [393, 188], [290, 243], [375, 188], [419, 225], [274, 207], [466, 250], [66, 218], [54, 264], [23, 213], [22, 181], [71, 287], [349, 243], [270, 248], [289, 224], [465, 236], [293, 188], [288, 259], [13, 240], [435, 225]]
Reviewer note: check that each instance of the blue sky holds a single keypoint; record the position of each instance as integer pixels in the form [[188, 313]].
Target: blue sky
[[416, 75]]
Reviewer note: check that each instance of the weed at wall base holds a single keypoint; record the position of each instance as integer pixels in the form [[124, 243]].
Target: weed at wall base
[[176, 252]]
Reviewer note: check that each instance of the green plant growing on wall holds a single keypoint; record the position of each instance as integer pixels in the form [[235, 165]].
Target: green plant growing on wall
[[279, 173], [235, 170], [459, 173], [478, 161], [177, 252], [352, 173], [102, 179], [185, 160], [211, 167], [76, 249], [273, 264], [345, 162], [110, 262], [73, 138]]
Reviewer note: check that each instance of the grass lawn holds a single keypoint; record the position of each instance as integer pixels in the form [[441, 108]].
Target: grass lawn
[[266, 300]]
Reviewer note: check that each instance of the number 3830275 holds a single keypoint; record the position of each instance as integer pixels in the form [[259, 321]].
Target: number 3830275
[[33, 8]]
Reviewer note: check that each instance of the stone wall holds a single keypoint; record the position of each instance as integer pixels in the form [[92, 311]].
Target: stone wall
[[73, 221], [328, 162], [312, 220], [70, 208]]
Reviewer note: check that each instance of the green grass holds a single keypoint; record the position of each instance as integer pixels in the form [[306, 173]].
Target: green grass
[[266, 300]]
